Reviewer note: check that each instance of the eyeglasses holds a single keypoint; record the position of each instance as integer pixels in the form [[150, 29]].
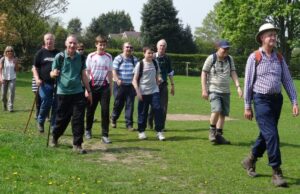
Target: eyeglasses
[[80, 49], [130, 47]]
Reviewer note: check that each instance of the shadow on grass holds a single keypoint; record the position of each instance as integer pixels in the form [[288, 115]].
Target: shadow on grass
[[184, 138], [187, 130]]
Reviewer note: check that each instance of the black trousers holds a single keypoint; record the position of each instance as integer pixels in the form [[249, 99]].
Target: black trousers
[[70, 106], [124, 95], [164, 98], [101, 96]]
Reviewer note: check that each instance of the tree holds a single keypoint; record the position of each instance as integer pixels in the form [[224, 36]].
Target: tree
[[240, 24], [74, 27], [159, 20], [26, 21], [111, 22]]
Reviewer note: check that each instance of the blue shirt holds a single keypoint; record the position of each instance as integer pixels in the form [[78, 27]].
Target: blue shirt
[[270, 74], [124, 68]]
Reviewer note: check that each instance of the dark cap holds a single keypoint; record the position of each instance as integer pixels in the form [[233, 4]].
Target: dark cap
[[223, 44]]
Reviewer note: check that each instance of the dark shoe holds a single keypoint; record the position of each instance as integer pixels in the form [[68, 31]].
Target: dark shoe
[[249, 164], [105, 140], [88, 134], [130, 128], [219, 137], [277, 178], [212, 135], [40, 127], [78, 149]]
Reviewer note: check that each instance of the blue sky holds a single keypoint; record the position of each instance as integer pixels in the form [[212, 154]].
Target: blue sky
[[191, 12]]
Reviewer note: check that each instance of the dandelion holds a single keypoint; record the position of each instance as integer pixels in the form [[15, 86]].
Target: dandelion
[[50, 183], [15, 173]]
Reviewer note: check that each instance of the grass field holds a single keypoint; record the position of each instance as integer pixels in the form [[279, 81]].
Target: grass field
[[185, 163]]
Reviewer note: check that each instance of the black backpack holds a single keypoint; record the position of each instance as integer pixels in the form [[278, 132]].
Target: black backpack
[[141, 69], [122, 60]]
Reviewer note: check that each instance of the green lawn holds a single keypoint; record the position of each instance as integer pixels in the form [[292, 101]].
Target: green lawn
[[185, 163]]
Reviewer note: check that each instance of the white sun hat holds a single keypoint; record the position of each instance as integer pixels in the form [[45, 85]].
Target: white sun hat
[[263, 28]]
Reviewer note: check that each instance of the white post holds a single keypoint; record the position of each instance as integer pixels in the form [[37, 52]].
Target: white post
[[187, 68]]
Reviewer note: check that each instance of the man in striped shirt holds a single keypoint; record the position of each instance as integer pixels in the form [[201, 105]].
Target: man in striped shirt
[[124, 92], [266, 71]]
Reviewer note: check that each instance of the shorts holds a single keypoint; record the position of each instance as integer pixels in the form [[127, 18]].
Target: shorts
[[220, 102]]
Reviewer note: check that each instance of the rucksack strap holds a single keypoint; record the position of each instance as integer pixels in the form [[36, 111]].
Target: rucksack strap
[[214, 61], [141, 69]]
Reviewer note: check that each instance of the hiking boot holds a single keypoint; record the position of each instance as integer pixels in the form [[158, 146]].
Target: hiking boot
[[79, 149], [277, 178], [219, 137], [54, 143], [249, 164], [212, 134], [142, 136], [88, 134], [160, 136], [40, 127], [130, 128], [105, 140]]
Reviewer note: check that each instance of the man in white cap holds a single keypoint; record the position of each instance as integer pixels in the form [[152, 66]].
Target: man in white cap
[[215, 80], [266, 71]]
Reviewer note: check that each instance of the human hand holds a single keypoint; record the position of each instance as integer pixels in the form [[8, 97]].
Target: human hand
[[248, 114], [204, 95], [295, 110]]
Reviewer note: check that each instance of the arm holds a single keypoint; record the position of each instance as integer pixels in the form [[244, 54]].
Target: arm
[[203, 85], [172, 85], [135, 84], [109, 75], [85, 81], [235, 78], [1, 66], [289, 88], [248, 87], [16, 62], [36, 76], [116, 77]]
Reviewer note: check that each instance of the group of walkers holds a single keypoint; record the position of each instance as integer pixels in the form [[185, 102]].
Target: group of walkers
[[68, 83]]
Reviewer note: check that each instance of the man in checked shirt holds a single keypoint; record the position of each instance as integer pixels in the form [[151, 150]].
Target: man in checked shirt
[[266, 70]]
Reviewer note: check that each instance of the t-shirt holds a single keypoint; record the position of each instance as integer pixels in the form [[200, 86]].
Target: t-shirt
[[219, 74], [8, 69], [69, 80], [125, 69], [99, 65], [148, 84], [43, 62]]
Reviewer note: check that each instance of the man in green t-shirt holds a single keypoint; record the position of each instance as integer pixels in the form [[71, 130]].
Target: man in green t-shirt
[[69, 70], [215, 80]]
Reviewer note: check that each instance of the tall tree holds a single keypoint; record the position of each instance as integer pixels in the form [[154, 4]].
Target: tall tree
[[159, 20], [187, 44], [240, 24], [74, 27]]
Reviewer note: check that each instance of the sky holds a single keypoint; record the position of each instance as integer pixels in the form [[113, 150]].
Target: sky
[[190, 12]]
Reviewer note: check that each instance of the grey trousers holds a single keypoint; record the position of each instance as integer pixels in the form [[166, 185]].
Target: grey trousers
[[8, 88]]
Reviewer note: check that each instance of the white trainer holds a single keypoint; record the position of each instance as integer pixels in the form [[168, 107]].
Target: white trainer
[[160, 136], [142, 135]]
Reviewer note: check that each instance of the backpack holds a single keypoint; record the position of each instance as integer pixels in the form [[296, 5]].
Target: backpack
[[258, 59], [141, 69], [61, 58], [227, 58]]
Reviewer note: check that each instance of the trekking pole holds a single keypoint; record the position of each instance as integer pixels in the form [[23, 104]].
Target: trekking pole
[[34, 101]]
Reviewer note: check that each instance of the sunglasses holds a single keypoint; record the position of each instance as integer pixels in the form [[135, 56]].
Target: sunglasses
[[80, 49], [130, 47], [9, 51]]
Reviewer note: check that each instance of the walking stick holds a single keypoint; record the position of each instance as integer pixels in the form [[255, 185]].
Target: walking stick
[[34, 101], [48, 135]]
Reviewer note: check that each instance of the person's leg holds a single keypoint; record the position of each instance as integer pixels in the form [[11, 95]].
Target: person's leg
[[90, 113], [78, 104], [11, 97], [158, 112], [105, 102], [46, 94], [4, 88], [118, 105], [129, 106], [164, 98], [63, 115], [143, 107]]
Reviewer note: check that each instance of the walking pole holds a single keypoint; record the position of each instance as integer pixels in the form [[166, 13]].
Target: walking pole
[[48, 135], [34, 101]]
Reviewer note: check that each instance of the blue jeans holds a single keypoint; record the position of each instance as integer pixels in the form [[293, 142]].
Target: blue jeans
[[48, 101], [267, 113], [143, 108]]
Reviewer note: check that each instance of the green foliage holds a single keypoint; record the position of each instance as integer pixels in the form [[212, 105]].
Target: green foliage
[[74, 27], [159, 20], [111, 22], [241, 20], [117, 43]]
